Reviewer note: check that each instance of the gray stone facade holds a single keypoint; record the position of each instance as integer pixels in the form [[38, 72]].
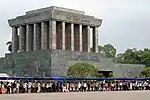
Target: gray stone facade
[[47, 29], [57, 62], [55, 13]]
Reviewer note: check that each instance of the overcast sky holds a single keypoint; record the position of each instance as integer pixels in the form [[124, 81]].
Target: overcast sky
[[126, 23]]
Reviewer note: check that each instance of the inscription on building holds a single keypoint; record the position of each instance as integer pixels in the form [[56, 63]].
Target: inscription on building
[[72, 17]]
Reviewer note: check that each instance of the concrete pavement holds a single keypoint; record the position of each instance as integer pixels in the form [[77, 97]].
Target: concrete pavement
[[120, 95]]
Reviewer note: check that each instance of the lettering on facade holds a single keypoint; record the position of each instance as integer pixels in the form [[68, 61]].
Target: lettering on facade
[[72, 17]]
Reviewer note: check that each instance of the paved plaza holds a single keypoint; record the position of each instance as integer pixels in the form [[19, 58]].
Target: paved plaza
[[128, 95]]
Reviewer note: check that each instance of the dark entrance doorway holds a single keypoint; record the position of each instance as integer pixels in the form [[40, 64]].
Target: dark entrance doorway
[[106, 73]]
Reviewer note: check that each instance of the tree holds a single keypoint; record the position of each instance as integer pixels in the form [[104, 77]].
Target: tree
[[134, 56], [107, 50], [130, 56], [145, 57], [99, 49], [120, 58], [145, 72], [110, 74], [82, 70], [9, 43], [99, 75]]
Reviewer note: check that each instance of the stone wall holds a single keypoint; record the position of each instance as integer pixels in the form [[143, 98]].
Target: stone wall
[[130, 70], [2, 61], [35, 63], [61, 60], [57, 62]]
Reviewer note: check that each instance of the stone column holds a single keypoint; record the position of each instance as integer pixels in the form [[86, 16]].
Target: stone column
[[76, 37], [95, 39], [22, 37], [37, 38], [14, 39], [72, 37], [96, 45], [68, 36], [88, 36], [44, 32], [52, 34], [63, 36], [80, 37], [29, 33]]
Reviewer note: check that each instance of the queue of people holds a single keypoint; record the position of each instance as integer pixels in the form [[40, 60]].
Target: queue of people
[[71, 86]]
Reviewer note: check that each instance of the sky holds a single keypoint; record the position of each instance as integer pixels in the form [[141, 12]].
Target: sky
[[126, 23]]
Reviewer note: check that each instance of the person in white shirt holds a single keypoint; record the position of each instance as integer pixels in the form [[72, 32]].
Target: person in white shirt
[[17, 87], [64, 88], [149, 86], [131, 86], [39, 87], [47, 87], [79, 86], [68, 87], [97, 86], [104, 86], [25, 87], [29, 87], [136, 85], [84, 86], [121, 85]]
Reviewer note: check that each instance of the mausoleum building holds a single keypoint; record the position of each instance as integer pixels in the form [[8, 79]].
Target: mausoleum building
[[54, 28], [45, 42]]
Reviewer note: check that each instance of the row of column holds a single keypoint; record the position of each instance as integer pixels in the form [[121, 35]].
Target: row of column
[[42, 36], [32, 37]]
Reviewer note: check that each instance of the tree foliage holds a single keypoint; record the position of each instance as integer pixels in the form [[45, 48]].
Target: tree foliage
[[9, 43], [110, 74], [134, 56], [98, 75], [145, 72], [82, 70], [107, 50]]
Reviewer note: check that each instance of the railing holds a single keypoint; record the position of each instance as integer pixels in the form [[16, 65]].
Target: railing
[[68, 78]]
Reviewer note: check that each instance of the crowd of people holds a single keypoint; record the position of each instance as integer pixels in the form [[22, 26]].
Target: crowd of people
[[71, 86]]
